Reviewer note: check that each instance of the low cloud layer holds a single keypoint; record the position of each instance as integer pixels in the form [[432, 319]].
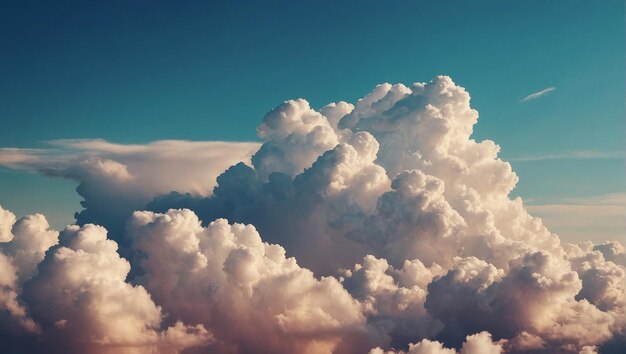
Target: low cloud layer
[[379, 227]]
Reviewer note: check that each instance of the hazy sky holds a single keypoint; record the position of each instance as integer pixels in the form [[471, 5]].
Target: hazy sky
[[547, 77]]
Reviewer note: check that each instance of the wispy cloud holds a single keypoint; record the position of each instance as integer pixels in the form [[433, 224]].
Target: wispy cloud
[[189, 166], [574, 155], [598, 218], [538, 94]]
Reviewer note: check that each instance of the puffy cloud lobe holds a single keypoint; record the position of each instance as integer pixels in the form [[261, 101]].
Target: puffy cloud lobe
[[296, 136], [413, 221], [81, 288], [393, 299], [612, 251], [7, 219], [246, 291], [116, 179], [602, 280], [536, 296], [347, 174], [80, 294], [13, 312], [74, 297], [603, 285], [479, 343], [335, 111], [462, 298], [30, 238]]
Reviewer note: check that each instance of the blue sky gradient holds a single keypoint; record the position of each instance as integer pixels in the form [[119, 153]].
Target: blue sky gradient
[[134, 72]]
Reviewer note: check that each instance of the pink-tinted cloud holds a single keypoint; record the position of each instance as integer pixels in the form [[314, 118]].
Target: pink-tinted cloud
[[381, 226]]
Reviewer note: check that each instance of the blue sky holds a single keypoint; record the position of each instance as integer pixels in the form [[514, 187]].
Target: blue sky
[[135, 72]]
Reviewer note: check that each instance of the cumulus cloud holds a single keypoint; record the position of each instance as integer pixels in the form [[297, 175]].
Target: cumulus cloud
[[393, 300], [246, 291], [479, 343], [68, 293], [80, 294], [296, 135], [378, 226], [7, 219], [30, 237]]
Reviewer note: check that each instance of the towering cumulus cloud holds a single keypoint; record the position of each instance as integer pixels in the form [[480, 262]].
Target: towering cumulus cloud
[[375, 227]]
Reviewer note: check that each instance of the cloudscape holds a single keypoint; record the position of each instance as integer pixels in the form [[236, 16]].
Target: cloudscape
[[376, 226], [312, 177]]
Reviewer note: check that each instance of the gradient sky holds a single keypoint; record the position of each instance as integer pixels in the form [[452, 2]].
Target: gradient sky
[[135, 72]]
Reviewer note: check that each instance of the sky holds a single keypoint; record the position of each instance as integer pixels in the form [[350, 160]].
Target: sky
[[135, 72], [144, 71], [381, 177]]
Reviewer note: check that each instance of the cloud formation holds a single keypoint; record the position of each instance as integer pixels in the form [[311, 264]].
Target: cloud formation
[[575, 155], [248, 292], [378, 226], [116, 179], [185, 166], [596, 218], [535, 95], [69, 290]]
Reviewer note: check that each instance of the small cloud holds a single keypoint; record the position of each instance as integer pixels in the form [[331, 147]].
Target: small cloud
[[575, 155], [538, 94]]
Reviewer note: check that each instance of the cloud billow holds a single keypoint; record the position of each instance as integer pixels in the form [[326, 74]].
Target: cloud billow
[[378, 226]]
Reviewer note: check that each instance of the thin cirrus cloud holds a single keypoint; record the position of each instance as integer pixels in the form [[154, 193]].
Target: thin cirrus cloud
[[535, 95], [380, 226], [579, 219], [574, 155]]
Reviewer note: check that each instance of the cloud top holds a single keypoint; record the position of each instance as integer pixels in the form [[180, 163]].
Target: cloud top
[[378, 226]]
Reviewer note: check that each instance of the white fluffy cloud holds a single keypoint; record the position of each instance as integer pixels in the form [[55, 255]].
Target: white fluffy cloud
[[479, 343], [296, 136], [393, 300], [381, 225], [246, 291], [20, 253], [74, 297]]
